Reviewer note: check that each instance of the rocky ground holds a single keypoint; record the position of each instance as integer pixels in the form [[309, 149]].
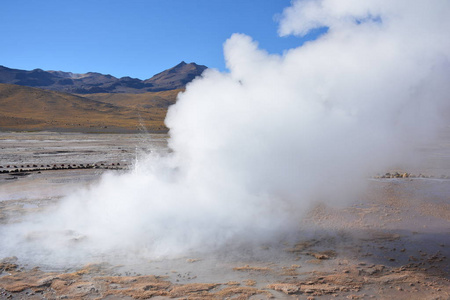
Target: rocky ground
[[393, 243]]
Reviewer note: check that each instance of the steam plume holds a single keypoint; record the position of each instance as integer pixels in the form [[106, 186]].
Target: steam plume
[[254, 147]]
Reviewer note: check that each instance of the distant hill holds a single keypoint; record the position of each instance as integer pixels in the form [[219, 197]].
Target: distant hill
[[176, 77], [89, 83], [26, 108]]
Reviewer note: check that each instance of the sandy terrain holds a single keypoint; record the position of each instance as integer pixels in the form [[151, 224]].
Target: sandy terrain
[[391, 243]]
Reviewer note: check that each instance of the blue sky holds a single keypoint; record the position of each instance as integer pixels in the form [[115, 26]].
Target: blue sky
[[136, 38]]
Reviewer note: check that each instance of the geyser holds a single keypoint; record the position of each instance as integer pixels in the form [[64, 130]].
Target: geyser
[[255, 146]]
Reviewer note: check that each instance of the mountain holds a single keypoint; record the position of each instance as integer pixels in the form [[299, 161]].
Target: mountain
[[89, 83], [26, 108], [176, 77]]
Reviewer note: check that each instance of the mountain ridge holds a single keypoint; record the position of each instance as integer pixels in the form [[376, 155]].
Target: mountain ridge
[[92, 82]]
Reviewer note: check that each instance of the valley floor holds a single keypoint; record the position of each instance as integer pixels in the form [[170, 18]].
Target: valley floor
[[392, 243]]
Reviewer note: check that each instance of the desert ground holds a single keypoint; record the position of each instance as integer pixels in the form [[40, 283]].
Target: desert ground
[[391, 243]]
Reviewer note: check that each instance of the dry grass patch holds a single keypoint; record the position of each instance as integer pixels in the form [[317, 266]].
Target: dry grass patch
[[248, 268]]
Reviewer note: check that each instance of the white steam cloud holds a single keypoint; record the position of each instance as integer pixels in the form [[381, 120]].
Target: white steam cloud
[[254, 147]]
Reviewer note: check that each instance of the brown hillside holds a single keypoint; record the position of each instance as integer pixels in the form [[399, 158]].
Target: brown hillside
[[25, 108], [143, 101]]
